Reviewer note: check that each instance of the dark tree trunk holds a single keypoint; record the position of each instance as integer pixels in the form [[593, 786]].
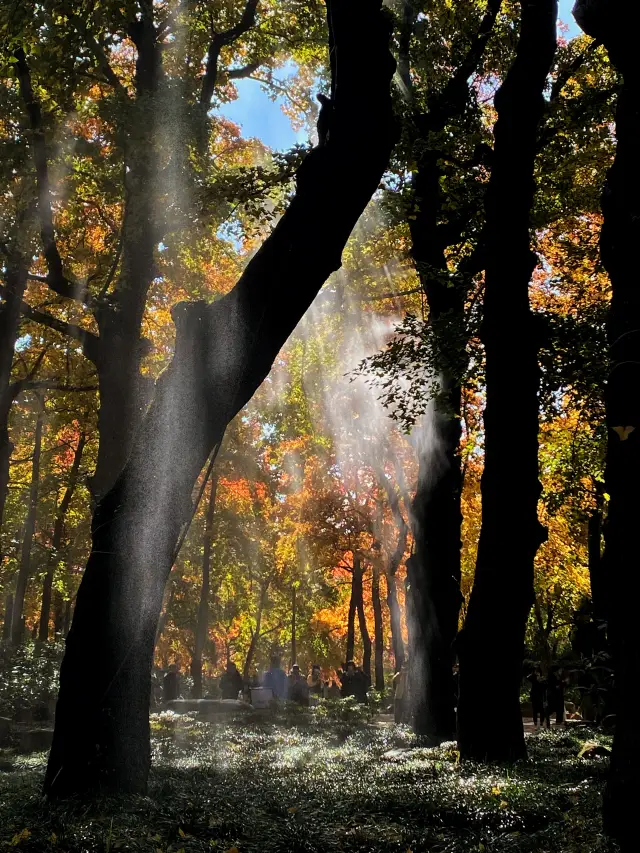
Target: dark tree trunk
[[202, 624], [491, 646], [15, 276], [434, 569], [351, 624], [599, 581], [24, 571], [358, 600], [8, 612], [255, 637], [223, 351], [379, 629], [619, 251], [58, 613], [56, 543], [66, 621], [294, 651]]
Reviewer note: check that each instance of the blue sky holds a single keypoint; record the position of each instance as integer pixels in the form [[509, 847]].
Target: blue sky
[[260, 116]]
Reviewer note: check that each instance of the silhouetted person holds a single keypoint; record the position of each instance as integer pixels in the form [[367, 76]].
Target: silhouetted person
[[171, 684], [555, 696], [537, 695], [276, 679], [231, 682], [297, 687], [315, 681], [354, 683]]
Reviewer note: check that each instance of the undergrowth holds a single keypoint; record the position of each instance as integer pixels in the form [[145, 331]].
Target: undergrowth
[[300, 782]]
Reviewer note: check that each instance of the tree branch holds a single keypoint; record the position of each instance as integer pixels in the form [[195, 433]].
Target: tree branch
[[55, 279], [89, 341], [220, 40]]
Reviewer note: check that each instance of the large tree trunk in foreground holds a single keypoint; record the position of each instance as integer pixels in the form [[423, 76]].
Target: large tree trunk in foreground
[[223, 352], [24, 571], [56, 543], [202, 622], [379, 629], [616, 24], [491, 646], [434, 570]]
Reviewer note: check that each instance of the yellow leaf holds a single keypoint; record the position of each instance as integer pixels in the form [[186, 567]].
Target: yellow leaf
[[232, 850], [181, 833], [504, 804], [292, 810], [495, 791], [624, 431]]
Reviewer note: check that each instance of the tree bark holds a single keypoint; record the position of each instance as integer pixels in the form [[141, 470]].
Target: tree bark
[[223, 352], [294, 651], [56, 543], [255, 637], [15, 276], [379, 628], [24, 571], [202, 623], [8, 611], [598, 578], [436, 516], [615, 24], [351, 624], [358, 599], [491, 645]]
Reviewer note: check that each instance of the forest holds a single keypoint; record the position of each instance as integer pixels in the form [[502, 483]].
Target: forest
[[319, 444]]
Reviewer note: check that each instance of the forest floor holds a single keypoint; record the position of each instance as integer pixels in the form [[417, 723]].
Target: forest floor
[[306, 781]]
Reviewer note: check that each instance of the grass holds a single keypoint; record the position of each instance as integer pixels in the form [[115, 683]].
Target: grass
[[304, 782]]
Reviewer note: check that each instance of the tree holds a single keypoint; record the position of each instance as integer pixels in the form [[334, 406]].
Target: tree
[[222, 354], [619, 238], [493, 636]]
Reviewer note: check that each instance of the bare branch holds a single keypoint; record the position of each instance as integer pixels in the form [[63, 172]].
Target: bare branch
[[241, 73]]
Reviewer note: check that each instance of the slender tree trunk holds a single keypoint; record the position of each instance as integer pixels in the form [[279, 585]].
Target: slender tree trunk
[[56, 543], [8, 612], [294, 651], [15, 276], [616, 25], [492, 643], [358, 597], [202, 625], [395, 620], [395, 615], [255, 637], [24, 570], [351, 623], [379, 628], [223, 351], [58, 613], [599, 581], [66, 622]]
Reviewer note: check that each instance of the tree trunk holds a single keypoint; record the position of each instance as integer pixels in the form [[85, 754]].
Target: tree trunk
[[56, 543], [294, 651], [379, 628], [58, 613], [599, 581], [358, 599], [202, 625], [24, 570], [436, 517], [223, 351], [619, 248], [255, 637], [491, 645], [15, 276], [8, 611], [351, 623]]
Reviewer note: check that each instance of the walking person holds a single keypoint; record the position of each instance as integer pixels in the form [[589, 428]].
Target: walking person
[[537, 695]]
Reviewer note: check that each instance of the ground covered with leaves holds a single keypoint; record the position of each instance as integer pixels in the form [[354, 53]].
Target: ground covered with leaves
[[328, 780]]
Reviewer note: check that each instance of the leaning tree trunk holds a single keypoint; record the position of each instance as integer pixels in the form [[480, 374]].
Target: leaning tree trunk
[[491, 646], [223, 352], [202, 623], [351, 621], [255, 636], [378, 667], [615, 23], [56, 543], [24, 571], [294, 649]]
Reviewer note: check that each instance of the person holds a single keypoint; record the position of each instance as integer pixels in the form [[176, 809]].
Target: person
[[276, 679], [400, 695], [537, 695], [354, 683], [333, 691], [297, 687], [315, 681], [171, 684], [231, 682], [555, 696]]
